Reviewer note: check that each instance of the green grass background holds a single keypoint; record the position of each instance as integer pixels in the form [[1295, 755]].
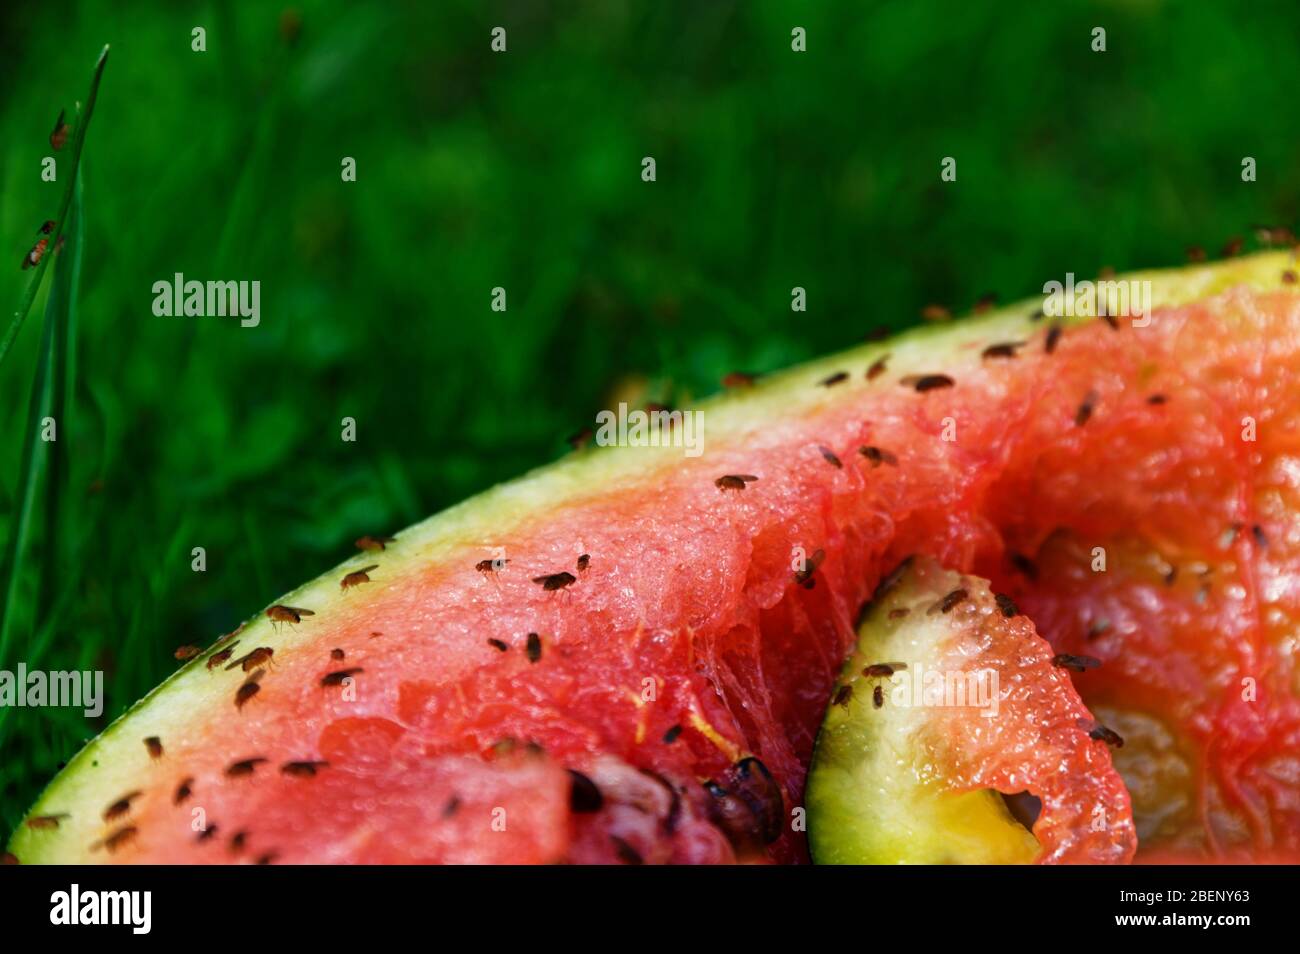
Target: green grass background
[[522, 170]]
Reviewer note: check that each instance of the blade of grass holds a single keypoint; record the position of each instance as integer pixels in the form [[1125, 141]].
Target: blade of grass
[[33, 286]]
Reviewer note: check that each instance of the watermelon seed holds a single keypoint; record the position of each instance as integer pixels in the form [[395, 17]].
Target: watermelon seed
[[878, 696], [1053, 337], [877, 456], [237, 841], [842, 696], [44, 822], [302, 769], [829, 456], [734, 481], [185, 652], [373, 542], [336, 678], [534, 647], [877, 367], [1024, 565], [837, 378], [1157, 399], [245, 767], [337, 654], [671, 735], [357, 577], [498, 644], [1006, 349], [266, 859], [121, 806], [452, 806], [1075, 663], [155, 747], [555, 581], [183, 791], [1258, 533], [626, 853], [927, 382], [584, 796], [1084, 412], [1006, 604], [206, 833]]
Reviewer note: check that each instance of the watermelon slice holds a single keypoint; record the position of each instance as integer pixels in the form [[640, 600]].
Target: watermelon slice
[[644, 678], [949, 699]]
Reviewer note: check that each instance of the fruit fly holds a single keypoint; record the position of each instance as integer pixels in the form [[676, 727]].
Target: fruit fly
[[1075, 663], [534, 647], [262, 654], [584, 561], [495, 565], [183, 791], [243, 767], [877, 456], [245, 692], [839, 377], [1004, 349], [287, 614], [336, 678], [804, 577], [1084, 412], [373, 542], [877, 367], [829, 456], [45, 822], [357, 577], [217, 658], [33, 258], [734, 481], [556, 581], [935, 313], [119, 838], [59, 135], [738, 379], [121, 806], [185, 652], [155, 747], [337, 654]]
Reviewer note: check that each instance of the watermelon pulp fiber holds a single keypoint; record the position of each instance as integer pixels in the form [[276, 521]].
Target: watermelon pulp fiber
[[687, 646]]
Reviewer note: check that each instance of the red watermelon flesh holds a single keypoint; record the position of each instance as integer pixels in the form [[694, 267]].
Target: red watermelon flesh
[[687, 646]]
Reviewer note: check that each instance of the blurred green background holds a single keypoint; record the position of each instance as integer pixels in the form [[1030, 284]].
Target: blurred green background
[[522, 169]]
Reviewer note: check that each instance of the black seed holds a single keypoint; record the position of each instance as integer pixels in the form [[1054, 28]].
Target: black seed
[[1053, 337], [1005, 349], [1157, 399], [183, 791], [626, 853], [877, 456], [266, 859], [1075, 663], [206, 833], [452, 806], [837, 378], [829, 456], [1258, 533], [930, 382], [584, 796], [498, 644], [671, 735], [1006, 604], [1084, 412], [534, 647], [1024, 565], [302, 769], [237, 841]]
